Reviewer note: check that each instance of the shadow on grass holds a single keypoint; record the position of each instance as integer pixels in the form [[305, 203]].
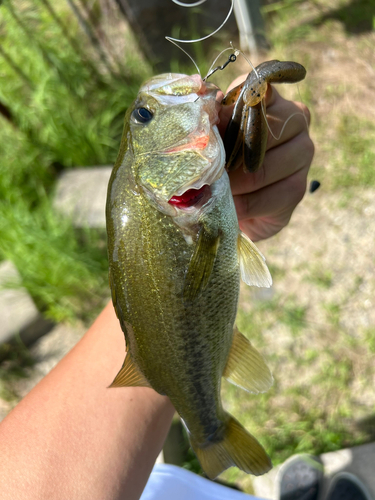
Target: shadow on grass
[[15, 358], [367, 426], [357, 16]]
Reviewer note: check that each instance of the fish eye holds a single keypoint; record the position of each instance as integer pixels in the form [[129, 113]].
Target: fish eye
[[142, 115]]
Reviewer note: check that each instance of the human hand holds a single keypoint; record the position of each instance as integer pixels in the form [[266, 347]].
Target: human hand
[[266, 199]]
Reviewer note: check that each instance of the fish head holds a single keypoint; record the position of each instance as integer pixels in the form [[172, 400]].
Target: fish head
[[177, 150]]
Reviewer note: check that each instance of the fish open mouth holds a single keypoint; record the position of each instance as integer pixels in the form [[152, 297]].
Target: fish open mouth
[[192, 198]]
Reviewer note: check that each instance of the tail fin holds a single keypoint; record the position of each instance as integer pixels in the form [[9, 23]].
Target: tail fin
[[237, 448]]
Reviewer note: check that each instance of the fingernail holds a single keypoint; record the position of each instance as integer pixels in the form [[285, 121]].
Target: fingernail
[[314, 185]]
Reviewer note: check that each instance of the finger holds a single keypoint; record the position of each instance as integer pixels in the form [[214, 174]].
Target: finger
[[279, 163], [286, 119], [265, 212], [274, 199], [237, 81]]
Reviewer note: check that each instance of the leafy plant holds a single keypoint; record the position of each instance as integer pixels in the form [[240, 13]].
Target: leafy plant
[[60, 107]]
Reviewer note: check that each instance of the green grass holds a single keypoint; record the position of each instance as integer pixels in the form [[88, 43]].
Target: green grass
[[293, 420], [65, 271], [66, 110], [293, 315], [322, 277], [284, 310], [348, 154], [333, 312], [354, 163], [289, 21], [286, 424], [298, 29], [370, 339], [311, 407]]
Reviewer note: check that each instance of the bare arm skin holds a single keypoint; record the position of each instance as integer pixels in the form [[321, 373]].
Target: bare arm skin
[[72, 438]]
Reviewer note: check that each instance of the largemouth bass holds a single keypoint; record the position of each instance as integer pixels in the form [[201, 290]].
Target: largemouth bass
[[176, 255]]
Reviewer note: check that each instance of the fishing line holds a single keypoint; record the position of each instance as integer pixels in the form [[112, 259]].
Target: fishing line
[[301, 100], [184, 51], [175, 40], [235, 54], [297, 113], [247, 60], [204, 37], [182, 4]]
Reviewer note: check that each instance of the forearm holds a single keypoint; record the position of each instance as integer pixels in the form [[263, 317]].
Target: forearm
[[72, 437]]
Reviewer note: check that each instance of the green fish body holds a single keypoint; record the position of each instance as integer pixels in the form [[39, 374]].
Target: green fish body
[[176, 255]]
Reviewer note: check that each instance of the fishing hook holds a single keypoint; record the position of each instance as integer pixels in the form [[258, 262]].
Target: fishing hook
[[231, 58]]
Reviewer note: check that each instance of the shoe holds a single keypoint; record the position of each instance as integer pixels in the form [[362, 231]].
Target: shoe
[[300, 478], [346, 486]]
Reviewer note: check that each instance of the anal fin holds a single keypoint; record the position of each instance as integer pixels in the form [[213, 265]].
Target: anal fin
[[246, 367], [129, 375]]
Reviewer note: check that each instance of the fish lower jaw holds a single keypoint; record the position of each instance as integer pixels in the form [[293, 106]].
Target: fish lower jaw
[[197, 193], [192, 198]]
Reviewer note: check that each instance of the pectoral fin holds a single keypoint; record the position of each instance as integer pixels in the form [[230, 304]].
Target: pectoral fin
[[129, 375], [201, 264], [254, 271], [246, 367]]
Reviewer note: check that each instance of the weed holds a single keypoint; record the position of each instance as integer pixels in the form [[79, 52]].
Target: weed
[[277, 272], [311, 355], [59, 271], [320, 277], [333, 312], [65, 111], [370, 339], [356, 152], [296, 426], [293, 315]]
